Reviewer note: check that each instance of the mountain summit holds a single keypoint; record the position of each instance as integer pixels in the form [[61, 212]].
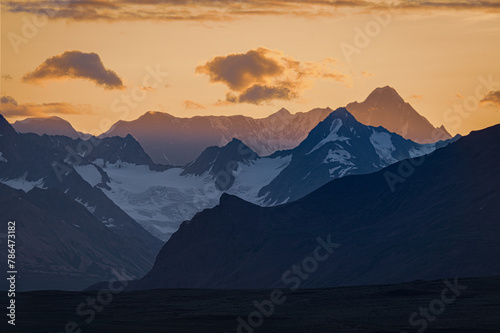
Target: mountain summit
[[385, 107], [50, 126]]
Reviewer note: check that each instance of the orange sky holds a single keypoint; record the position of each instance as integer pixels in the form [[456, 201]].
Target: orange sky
[[299, 55]]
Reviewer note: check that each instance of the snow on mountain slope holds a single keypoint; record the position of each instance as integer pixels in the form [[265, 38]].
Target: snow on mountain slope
[[161, 200], [332, 136], [158, 201], [89, 173], [249, 179], [383, 146], [338, 146], [22, 184]]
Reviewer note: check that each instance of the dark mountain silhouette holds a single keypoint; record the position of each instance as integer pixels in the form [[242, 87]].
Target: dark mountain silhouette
[[60, 244], [221, 162], [438, 220], [49, 162]]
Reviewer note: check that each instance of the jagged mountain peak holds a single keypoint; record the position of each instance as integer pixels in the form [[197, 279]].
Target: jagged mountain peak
[[221, 161], [385, 107], [281, 112], [234, 142], [342, 113], [337, 119]]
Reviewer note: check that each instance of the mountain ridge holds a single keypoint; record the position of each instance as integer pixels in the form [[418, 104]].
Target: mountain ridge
[[384, 235]]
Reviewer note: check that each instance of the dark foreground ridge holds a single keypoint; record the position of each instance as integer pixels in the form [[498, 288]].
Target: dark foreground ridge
[[351, 309], [420, 219]]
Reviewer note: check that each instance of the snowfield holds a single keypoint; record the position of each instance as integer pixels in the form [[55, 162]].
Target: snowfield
[[161, 200]]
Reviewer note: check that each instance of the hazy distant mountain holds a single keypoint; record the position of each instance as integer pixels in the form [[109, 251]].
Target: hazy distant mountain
[[384, 107], [50, 126], [178, 141], [382, 236], [57, 162]]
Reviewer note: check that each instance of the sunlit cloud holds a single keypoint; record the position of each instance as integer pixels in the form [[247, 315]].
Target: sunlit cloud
[[366, 74], [492, 99], [10, 108], [264, 75], [220, 10], [75, 65], [190, 105], [416, 97], [147, 88]]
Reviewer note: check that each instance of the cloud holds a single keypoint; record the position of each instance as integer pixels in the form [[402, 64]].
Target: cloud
[[258, 93], [238, 71], [220, 10], [263, 75], [6, 77], [492, 98], [193, 105], [8, 100], [75, 65], [10, 108], [366, 74], [416, 97], [147, 88]]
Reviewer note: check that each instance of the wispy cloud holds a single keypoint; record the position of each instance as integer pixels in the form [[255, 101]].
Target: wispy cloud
[[75, 65], [416, 97], [366, 74], [218, 10], [190, 105], [10, 108], [263, 75], [492, 98]]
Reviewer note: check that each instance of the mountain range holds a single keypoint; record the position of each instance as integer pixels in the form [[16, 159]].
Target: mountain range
[[178, 141], [162, 199], [138, 203], [440, 221]]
